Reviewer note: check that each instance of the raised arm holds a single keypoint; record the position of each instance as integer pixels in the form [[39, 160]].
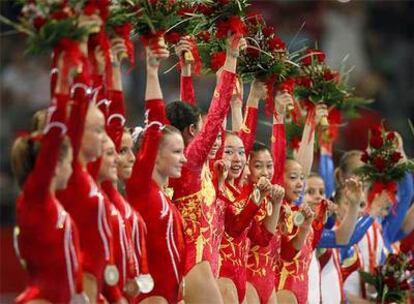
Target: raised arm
[[326, 171], [142, 171], [187, 94], [391, 225], [328, 237], [248, 129], [116, 110], [278, 140], [198, 150], [39, 181], [305, 153]]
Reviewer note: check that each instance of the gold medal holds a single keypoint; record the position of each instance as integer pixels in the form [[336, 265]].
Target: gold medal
[[111, 275], [269, 208], [298, 219], [131, 287], [256, 196], [145, 283]]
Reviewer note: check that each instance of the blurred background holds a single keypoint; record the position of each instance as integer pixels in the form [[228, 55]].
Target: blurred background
[[376, 36]]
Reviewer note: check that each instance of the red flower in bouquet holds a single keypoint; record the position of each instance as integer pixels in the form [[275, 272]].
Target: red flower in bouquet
[[276, 44], [204, 36], [234, 25], [237, 26], [365, 157], [307, 60], [268, 30], [391, 136], [391, 282], [376, 130], [376, 141], [379, 163], [217, 60], [253, 52], [184, 11], [60, 15], [328, 75], [224, 2], [321, 56], [254, 18], [395, 157], [172, 37], [305, 81], [204, 9], [38, 22]]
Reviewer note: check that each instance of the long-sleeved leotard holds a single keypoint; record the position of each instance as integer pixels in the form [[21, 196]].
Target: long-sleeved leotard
[[82, 198], [326, 171], [194, 193], [262, 259], [187, 94], [135, 256], [391, 224], [44, 225], [164, 223], [239, 229]]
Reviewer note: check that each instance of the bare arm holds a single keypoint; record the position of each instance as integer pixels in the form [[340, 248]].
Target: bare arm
[[305, 153]]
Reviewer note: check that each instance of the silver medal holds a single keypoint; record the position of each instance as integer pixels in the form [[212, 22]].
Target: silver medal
[[111, 275], [145, 283]]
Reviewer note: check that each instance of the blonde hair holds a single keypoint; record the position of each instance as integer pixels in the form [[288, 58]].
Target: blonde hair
[[39, 120], [24, 153]]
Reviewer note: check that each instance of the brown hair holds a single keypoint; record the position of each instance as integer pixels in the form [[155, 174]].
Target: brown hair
[[24, 154]]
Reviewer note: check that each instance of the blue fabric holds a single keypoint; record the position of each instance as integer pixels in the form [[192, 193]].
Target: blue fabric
[[328, 239], [391, 224], [326, 171]]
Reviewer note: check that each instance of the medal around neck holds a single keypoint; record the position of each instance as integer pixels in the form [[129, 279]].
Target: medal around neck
[[298, 218], [256, 196], [145, 283], [111, 275], [269, 208]]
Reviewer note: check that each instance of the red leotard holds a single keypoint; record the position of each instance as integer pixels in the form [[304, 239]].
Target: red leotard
[[239, 227], [82, 198], [48, 238], [194, 193], [261, 261], [164, 223]]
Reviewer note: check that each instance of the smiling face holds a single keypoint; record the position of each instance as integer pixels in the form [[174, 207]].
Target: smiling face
[[109, 162], [126, 157], [170, 158], [314, 191], [234, 153], [293, 180], [261, 164]]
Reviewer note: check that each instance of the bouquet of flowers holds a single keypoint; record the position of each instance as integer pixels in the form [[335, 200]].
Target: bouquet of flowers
[[169, 19], [317, 83], [48, 23], [392, 280], [384, 165], [224, 17], [122, 14], [266, 58]]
